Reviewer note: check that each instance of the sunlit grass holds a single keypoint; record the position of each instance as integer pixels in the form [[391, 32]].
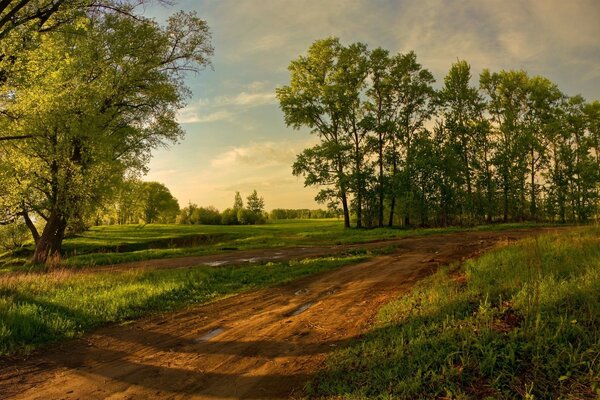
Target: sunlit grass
[[36, 309], [519, 322]]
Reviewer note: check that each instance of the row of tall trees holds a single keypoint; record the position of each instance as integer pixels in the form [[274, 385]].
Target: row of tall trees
[[394, 150], [87, 90]]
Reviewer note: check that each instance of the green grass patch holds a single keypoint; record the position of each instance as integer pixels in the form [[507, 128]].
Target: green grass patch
[[519, 322], [36, 309]]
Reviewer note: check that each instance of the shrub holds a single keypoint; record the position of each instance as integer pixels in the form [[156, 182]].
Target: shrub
[[229, 217]]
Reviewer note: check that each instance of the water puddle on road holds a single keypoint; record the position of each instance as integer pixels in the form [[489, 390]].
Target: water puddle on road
[[210, 334], [301, 309], [215, 263]]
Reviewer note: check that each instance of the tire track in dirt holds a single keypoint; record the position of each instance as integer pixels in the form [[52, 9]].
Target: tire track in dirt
[[260, 345]]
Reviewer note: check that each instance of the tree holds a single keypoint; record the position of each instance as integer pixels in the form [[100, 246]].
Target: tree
[[313, 100], [413, 105], [159, 205], [462, 112], [112, 96], [255, 204], [238, 204], [507, 92]]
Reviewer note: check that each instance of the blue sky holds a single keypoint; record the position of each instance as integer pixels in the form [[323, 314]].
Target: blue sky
[[236, 138]]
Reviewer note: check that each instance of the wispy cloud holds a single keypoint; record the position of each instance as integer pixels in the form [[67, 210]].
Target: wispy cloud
[[281, 154], [194, 115], [246, 99]]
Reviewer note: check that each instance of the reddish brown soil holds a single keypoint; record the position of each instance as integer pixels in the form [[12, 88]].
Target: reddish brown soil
[[260, 345]]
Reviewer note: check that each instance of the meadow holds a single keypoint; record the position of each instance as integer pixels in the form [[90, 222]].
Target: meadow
[[113, 244], [519, 322]]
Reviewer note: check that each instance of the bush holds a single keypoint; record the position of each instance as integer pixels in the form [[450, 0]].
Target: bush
[[248, 217], [229, 217], [206, 216], [13, 236]]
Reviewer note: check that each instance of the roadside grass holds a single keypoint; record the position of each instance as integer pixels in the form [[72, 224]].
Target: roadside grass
[[519, 322], [36, 309], [113, 244]]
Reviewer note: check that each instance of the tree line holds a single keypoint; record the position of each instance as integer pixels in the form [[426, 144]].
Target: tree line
[[252, 214], [393, 150]]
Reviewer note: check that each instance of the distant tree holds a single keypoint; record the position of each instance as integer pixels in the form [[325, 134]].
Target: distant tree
[[159, 205], [206, 216], [238, 204], [255, 204], [230, 216]]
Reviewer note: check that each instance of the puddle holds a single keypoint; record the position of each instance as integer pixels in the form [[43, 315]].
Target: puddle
[[301, 309], [210, 334], [215, 263], [250, 260]]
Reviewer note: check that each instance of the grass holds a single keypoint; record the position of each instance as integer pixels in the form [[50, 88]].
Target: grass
[[36, 309], [113, 244], [519, 322]]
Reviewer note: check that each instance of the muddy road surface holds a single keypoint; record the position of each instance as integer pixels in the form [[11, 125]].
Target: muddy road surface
[[258, 345]]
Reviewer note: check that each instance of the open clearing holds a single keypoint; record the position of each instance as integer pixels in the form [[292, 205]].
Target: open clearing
[[262, 344]]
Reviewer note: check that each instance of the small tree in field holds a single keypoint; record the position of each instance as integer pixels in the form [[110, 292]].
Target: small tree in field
[[255, 204]]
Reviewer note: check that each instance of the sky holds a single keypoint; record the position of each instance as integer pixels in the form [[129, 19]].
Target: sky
[[236, 138]]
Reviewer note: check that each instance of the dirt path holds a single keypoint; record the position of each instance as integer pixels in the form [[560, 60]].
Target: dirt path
[[260, 345], [277, 254]]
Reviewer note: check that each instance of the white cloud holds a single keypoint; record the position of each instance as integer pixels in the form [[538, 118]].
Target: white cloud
[[192, 115], [246, 99], [265, 154]]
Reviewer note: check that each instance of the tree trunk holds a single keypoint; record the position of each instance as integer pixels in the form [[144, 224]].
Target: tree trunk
[[393, 195], [31, 226], [381, 189], [505, 189], [50, 242], [533, 205], [345, 208]]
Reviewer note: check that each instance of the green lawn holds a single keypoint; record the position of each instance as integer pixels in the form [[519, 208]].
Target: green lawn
[[112, 244], [36, 309], [519, 322]]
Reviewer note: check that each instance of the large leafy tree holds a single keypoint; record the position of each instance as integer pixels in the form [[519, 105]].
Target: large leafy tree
[[91, 100], [463, 124], [317, 99]]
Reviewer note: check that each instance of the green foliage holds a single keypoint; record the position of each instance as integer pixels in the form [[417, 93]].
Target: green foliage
[[158, 203], [14, 235], [527, 321], [255, 204], [39, 309], [514, 148], [89, 102]]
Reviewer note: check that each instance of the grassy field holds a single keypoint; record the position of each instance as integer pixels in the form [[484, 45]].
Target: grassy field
[[36, 309], [113, 244], [519, 322]]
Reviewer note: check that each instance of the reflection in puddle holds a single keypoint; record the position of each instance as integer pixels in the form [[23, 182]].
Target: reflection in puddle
[[210, 334], [215, 263], [301, 309]]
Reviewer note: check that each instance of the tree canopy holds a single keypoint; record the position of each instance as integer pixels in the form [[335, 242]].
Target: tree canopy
[[91, 100], [512, 148]]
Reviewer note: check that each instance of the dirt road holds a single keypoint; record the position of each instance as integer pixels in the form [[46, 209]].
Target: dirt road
[[260, 345]]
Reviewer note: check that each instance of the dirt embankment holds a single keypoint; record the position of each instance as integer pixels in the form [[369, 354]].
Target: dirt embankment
[[260, 345]]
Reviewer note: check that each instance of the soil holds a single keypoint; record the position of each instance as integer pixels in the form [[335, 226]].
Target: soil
[[259, 345]]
